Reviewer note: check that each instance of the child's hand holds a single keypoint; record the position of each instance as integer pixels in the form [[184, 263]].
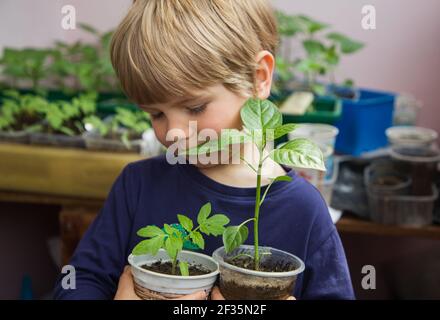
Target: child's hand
[[216, 295], [126, 289]]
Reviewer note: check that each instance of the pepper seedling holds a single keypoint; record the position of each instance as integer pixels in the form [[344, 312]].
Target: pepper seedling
[[171, 239], [262, 123]]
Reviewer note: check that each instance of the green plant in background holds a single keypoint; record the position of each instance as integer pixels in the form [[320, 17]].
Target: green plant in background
[[29, 64], [68, 117], [22, 112], [262, 123], [172, 238], [322, 52], [132, 123], [34, 113], [88, 65]]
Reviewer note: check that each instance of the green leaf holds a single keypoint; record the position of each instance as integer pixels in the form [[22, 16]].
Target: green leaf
[[214, 225], [227, 137], [288, 25], [197, 238], [284, 129], [173, 245], [314, 48], [172, 231], [149, 246], [347, 45], [300, 153], [319, 89], [282, 178], [234, 236], [204, 212], [184, 270], [311, 25], [259, 114], [150, 232], [186, 222]]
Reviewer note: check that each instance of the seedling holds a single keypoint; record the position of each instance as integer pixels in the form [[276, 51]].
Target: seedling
[[322, 53], [26, 64], [69, 117], [262, 123], [88, 65], [132, 123], [172, 238], [21, 112]]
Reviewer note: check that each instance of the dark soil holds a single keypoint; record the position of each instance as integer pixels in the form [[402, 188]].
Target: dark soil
[[165, 267], [24, 120], [239, 288], [267, 265]]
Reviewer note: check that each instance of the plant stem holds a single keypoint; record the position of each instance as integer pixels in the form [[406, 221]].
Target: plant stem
[[257, 212], [174, 264]]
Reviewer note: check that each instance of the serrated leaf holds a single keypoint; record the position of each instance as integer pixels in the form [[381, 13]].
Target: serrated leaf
[[197, 238], [214, 225], [169, 229], [204, 212], [173, 245], [184, 270], [300, 153], [149, 246], [150, 231], [186, 222], [234, 236]]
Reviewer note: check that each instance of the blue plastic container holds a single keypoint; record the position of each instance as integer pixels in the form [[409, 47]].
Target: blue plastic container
[[363, 122]]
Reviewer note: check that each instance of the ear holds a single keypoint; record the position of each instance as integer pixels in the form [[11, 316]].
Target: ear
[[265, 68]]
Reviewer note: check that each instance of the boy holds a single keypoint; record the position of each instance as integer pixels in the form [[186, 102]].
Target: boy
[[182, 61]]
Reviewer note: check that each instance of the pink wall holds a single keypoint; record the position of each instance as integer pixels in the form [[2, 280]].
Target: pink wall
[[402, 54]]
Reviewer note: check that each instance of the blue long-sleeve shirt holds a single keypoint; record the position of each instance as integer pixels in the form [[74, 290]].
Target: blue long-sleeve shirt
[[294, 217]]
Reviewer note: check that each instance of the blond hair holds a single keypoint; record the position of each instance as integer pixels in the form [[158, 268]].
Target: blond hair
[[168, 48]]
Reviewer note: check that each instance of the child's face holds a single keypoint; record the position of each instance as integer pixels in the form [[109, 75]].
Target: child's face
[[215, 108]]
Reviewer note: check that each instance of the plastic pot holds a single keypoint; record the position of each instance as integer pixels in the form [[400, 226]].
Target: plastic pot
[[382, 177], [422, 164], [151, 285], [57, 140], [148, 146], [321, 134], [238, 283], [14, 137], [409, 136], [403, 210]]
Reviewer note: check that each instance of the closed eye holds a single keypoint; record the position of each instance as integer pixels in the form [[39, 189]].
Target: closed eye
[[156, 115], [198, 110]]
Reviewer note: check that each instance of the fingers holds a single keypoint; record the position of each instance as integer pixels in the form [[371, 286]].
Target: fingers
[[126, 287], [199, 295], [216, 294], [126, 279]]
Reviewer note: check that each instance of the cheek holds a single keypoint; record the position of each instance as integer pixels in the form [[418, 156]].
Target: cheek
[[160, 131], [222, 117]]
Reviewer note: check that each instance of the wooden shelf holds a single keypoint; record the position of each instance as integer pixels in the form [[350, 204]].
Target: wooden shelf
[[71, 173], [351, 224]]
